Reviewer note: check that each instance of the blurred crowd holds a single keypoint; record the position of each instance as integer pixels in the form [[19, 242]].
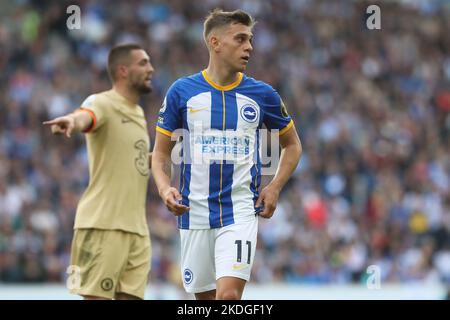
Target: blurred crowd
[[372, 108]]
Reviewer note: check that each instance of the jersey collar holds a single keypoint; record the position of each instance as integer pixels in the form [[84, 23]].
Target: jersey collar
[[223, 88]]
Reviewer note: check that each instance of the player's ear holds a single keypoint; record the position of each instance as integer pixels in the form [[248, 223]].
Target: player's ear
[[214, 43], [122, 71]]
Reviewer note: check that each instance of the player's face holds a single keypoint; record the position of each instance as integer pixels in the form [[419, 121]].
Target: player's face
[[140, 72], [235, 46]]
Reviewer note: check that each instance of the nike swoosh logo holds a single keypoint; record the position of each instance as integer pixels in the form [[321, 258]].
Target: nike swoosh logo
[[191, 110], [239, 266]]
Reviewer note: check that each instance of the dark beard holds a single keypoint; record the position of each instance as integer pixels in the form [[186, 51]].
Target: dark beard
[[142, 89]]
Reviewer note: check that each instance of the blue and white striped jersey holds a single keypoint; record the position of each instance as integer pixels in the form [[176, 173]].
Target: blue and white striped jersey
[[221, 167]]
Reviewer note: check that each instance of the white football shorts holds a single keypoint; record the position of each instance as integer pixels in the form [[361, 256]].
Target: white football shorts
[[209, 254]]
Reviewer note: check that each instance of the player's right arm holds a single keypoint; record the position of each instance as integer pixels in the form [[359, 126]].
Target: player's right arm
[[169, 120], [161, 171], [73, 122]]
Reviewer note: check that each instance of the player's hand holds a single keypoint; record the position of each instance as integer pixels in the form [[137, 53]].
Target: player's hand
[[172, 199], [61, 125], [268, 198]]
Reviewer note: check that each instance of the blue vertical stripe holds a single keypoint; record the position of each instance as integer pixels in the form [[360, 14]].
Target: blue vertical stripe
[[225, 196], [215, 168], [231, 119], [231, 115], [216, 109], [223, 117], [258, 164], [253, 187], [255, 171], [183, 220], [185, 178], [214, 193]]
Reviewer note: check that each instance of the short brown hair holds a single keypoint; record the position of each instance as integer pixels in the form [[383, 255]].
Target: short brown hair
[[219, 18], [118, 55]]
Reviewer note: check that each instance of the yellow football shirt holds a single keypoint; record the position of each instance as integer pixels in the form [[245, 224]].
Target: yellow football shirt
[[118, 146]]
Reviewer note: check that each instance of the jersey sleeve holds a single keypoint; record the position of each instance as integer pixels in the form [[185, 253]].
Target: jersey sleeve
[[95, 110], [275, 113], [169, 118]]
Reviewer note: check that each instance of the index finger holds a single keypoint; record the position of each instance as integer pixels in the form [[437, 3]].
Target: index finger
[[55, 121], [171, 200], [181, 207], [175, 205]]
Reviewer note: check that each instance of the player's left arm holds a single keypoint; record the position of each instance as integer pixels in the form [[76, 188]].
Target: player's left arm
[[291, 150]]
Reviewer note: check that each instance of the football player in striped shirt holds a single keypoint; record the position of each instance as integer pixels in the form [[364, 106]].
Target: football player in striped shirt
[[220, 112]]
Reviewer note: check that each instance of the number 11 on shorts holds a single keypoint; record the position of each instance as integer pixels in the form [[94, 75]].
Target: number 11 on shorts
[[238, 243]]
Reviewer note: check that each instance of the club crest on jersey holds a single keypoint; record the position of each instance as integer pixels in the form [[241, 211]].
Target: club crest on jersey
[[187, 276], [249, 113]]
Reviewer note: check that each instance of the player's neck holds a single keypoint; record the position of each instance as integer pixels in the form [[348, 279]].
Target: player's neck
[[132, 97], [221, 75]]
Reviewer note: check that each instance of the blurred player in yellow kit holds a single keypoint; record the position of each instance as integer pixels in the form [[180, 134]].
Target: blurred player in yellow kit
[[111, 249]]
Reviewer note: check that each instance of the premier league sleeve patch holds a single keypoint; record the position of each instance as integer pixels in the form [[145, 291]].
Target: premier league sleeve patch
[[283, 109]]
